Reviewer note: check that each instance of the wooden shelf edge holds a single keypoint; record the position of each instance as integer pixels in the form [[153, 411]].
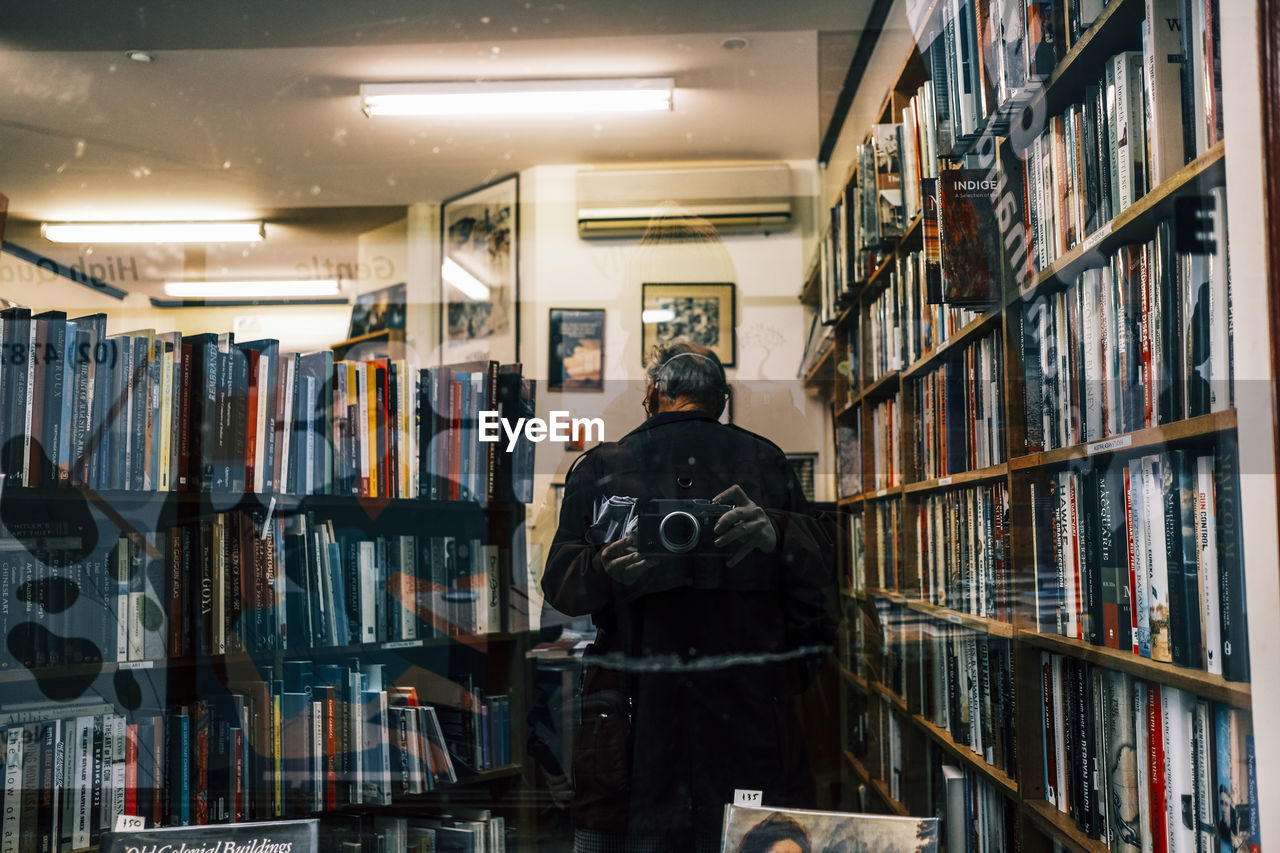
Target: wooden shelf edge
[[994, 627], [968, 333], [977, 475], [853, 678], [880, 592], [968, 756], [896, 807], [878, 388], [881, 494], [1062, 828], [1085, 43], [1201, 425], [389, 334], [849, 501], [1116, 232], [899, 703], [824, 363], [1238, 694]]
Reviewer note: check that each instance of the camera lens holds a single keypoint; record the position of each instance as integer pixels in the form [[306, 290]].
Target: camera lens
[[678, 532]]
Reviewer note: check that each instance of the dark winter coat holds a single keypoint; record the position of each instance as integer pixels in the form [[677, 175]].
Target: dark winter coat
[[712, 655]]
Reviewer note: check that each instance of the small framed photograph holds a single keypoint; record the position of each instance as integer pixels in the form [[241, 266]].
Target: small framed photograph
[[700, 313], [378, 311], [575, 349], [479, 257]]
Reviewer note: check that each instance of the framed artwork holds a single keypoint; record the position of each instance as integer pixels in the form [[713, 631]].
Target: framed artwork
[[480, 302], [701, 313], [575, 349], [378, 311]]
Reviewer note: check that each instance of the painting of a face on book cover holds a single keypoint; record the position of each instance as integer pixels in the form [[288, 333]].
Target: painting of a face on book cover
[[765, 830]]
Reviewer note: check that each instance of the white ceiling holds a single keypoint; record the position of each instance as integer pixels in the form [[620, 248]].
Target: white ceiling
[[250, 107]]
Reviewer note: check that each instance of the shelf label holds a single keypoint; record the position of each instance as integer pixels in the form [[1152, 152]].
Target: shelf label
[[952, 617], [944, 481], [402, 644], [137, 664], [1110, 444], [748, 798], [126, 822], [1096, 237], [882, 493]]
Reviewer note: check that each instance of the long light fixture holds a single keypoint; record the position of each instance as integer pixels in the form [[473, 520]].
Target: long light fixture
[[516, 97], [153, 232], [265, 289], [657, 315], [471, 287]]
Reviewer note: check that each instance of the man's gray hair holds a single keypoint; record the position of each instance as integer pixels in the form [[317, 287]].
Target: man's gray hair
[[684, 370]]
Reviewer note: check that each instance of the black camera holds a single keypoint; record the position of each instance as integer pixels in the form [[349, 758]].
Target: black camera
[[671, 526]]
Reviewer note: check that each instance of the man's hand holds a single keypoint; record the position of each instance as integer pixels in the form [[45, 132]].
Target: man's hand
[[623, 562], [746, 524]]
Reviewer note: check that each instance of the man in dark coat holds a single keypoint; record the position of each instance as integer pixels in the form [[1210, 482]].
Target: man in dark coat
[[689, 687]]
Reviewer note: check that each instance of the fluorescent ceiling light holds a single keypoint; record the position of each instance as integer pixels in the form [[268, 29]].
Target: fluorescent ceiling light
[[153, 232], [657, 315], [516, 97], [471, 287], [268, 289]]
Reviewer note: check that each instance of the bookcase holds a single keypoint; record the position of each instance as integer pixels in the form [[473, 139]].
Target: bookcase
[[1023, 327], [239, 584]]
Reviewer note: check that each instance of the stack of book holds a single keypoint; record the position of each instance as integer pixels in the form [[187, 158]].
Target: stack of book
[[1130, 760], [1141, 341], [1145, 556], [165, 412], [975, 814], [959, 425], [966, 689], [319, 738], [962, 536], [886, 450]]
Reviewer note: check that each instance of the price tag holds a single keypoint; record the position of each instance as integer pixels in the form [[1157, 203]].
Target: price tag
[[951, 617], [1096, 237], [882, 493], [402, 644], [137, 664], [127, 822], [1110, 444], [747, 798], [944, 481]]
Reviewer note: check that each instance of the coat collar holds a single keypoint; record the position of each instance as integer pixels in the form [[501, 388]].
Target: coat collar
[[664, 418]]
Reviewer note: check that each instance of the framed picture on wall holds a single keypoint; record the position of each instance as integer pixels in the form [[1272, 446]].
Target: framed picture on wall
[[700, 313], [378, 311], [480, 303], [575, 349]]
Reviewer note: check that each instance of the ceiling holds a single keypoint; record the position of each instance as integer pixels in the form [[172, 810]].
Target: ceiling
[[250, 108]]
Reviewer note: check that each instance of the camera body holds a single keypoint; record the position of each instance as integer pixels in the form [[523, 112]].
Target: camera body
[[675, 527]]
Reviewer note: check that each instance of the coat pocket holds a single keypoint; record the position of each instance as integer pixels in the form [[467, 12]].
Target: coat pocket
[[602, 753]]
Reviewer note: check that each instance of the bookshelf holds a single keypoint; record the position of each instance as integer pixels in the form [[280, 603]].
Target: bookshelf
[[909, 616], [230, 590]]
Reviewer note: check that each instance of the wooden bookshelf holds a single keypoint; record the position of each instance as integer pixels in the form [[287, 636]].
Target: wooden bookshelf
[[882, 388], [963, 478], [943, 738], [986, 625], [971, 332], [824, 370], [1135, 223], [1177, 432], [854, 679], [1215, 687], [1116, 29], [1061, 827]]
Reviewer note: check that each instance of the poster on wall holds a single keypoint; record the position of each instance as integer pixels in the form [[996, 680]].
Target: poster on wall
[[575, 349], [377, 311], [480, 302], [700, 313]]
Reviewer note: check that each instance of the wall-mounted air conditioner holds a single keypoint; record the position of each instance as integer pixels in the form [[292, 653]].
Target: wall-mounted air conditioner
[[624, 202]]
